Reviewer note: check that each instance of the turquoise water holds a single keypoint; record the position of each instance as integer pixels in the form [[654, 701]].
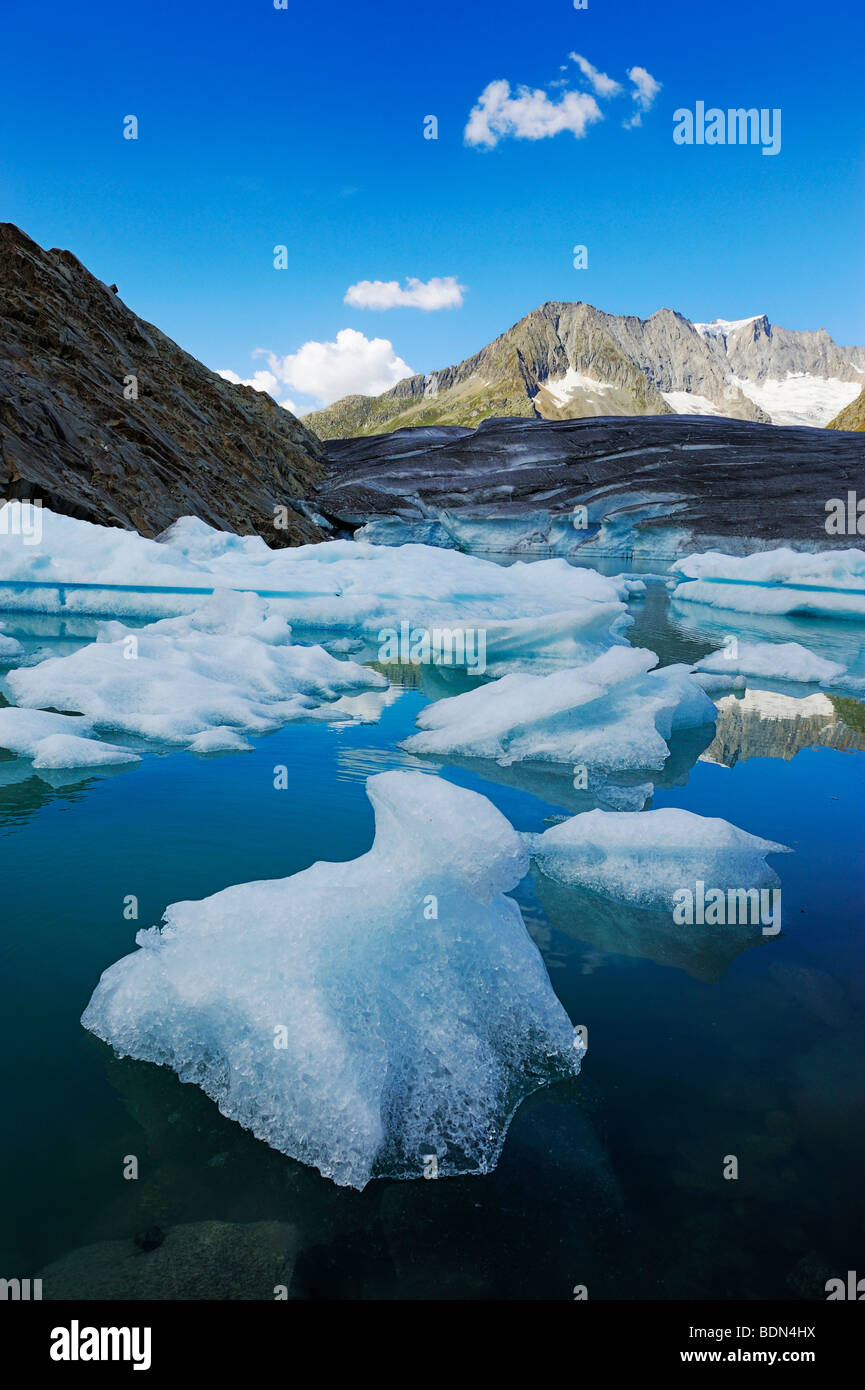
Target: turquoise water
[[699, 1047]]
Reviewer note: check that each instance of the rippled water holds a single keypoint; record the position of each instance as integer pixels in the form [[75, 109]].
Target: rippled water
[[701, 1044]]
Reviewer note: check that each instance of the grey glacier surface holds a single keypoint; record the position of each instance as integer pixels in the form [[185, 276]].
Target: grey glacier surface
[[653, 486]]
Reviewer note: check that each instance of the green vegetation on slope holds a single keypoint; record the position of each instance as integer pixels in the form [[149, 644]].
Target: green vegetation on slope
[[852, 417]]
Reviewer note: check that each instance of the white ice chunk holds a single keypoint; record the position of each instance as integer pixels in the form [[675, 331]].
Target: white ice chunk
[[829, 583], [615, 714], [21, 730], [341, 646], [220, 740], [229, 665], [361, 1016], [788, 661], [712, 681], [645, 857], [68, 751], [10, 648], [56, 741]]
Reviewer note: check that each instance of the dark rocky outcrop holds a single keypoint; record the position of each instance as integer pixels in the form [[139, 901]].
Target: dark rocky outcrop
[[708, 476], [190, 444]]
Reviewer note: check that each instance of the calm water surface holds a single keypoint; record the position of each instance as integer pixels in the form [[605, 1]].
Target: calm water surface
[[700, 1046]]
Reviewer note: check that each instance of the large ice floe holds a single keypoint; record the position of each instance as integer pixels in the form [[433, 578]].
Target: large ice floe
[[614, 714], [335, 585], [201, 681], [830, 583], [645, 858], [364, 1017]]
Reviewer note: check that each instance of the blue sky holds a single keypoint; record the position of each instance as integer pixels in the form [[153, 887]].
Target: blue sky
[[303, 127]]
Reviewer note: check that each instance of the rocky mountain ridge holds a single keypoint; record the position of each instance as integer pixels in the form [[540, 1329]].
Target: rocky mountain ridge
[[572, 361]]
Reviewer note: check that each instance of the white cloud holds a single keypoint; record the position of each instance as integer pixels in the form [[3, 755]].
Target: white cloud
[[262, 381], [604, 86], [530, 115], [441, 292], [351, 365], [646, 88]]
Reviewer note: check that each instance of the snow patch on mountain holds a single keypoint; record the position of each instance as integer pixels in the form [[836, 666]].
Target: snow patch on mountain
[[564, 388], [690, 403]]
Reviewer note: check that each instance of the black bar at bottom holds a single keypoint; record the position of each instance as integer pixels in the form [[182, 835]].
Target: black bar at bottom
[[269, 1338]]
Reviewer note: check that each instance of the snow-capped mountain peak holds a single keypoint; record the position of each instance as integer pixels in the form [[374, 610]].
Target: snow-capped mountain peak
[[722, 328]]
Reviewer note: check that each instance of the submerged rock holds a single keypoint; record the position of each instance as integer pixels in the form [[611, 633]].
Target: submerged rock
[[151, 1239], [204, 1260]]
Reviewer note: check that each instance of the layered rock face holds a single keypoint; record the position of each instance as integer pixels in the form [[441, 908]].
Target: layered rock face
[[639, 480], [570, 361], [103, 417]]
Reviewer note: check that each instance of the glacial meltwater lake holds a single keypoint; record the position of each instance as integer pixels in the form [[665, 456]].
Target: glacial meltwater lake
[[703, 1043]]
